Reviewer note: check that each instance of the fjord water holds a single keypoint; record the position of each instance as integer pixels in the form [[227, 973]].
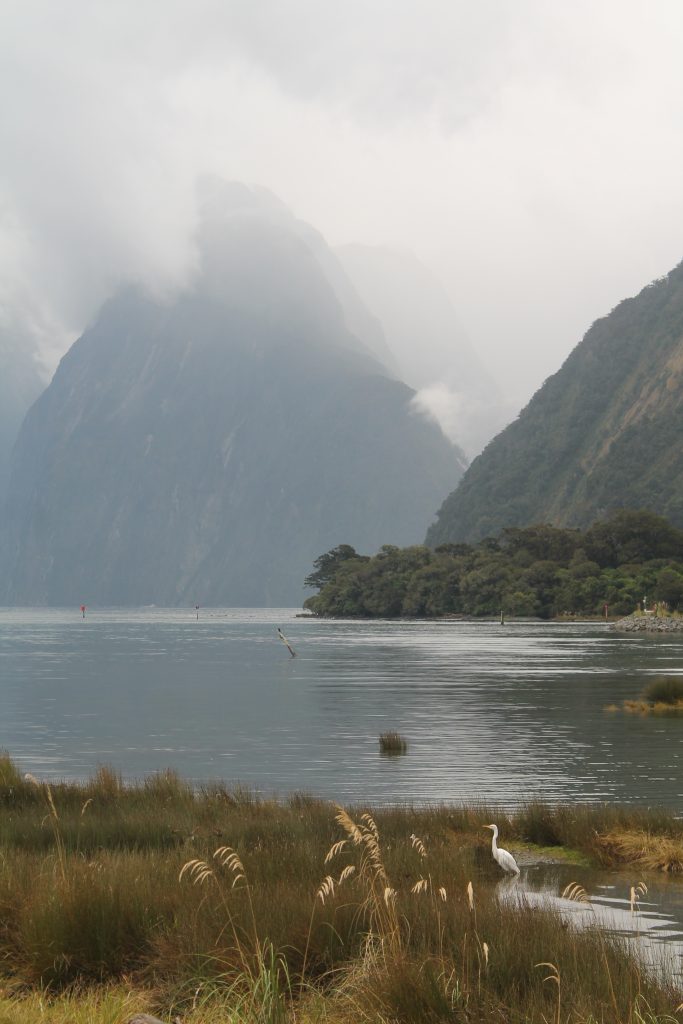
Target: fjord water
[[491, 713]]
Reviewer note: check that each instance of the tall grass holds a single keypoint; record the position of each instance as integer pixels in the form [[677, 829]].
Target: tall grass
[[662, 696], [216, 898], [667, 690], [392, 743]]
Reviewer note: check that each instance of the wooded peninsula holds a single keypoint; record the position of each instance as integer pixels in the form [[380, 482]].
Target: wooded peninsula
[[631, 559]]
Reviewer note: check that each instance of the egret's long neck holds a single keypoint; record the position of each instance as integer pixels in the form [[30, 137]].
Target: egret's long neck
[[494, 845]]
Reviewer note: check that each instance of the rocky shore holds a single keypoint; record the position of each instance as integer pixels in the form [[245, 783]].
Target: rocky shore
[[649, 624]]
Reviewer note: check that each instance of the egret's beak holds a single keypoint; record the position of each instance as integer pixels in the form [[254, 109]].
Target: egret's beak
[[487, 826]]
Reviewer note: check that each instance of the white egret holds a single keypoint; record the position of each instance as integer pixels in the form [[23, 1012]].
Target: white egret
[[505, 859]]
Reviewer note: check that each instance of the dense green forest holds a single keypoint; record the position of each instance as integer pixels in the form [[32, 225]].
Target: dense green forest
[[538, 570]]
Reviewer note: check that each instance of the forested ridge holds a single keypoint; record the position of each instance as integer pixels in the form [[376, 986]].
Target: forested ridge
[[602, 433], [539, 570]]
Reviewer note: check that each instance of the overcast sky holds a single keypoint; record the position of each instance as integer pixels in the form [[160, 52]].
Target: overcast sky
[[529, 152]]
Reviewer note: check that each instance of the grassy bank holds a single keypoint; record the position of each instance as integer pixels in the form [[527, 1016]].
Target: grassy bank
[[663, 696], [214, 905]]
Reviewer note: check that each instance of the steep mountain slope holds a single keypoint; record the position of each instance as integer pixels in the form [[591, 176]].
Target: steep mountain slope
[[431, 347], [605, 432], [20, 385], [209, 448]]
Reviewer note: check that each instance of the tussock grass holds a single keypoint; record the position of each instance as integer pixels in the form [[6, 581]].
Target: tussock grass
[[648, 851], [666, 690], [218, 905], [392, 743], [662, 696], [111, 1005], [643, 707]]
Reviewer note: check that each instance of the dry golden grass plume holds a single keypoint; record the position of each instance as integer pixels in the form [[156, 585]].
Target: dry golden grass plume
[[198, 871], [380, 897], [349, 826], [326, 889], [555, 977], [228, 858], [418, 845], [335, 850], [637, 892], [576, 893]]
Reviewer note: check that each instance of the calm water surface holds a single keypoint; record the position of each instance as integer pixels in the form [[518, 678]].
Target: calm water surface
[[491, 713]]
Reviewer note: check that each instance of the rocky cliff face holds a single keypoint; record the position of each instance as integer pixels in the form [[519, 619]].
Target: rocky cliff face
[[207, 449], [603, 433]]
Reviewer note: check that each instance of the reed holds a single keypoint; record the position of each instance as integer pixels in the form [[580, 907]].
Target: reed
[[392, 743], [665, 690], [300, 911]]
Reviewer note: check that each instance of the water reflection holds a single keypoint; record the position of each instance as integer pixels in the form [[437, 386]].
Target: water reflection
[[653, 929], [491, 713]]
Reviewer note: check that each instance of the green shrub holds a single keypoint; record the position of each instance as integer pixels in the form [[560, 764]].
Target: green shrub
[[667, 690], [392, 743]]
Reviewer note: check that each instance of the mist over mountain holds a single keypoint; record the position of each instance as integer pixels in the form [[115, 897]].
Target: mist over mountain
[[603, 433], [208, 447], [431, 347], [20, 385]]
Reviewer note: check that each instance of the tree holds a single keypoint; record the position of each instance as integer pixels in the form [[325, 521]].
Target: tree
[[483, 579], [669, 587], [327, 565], [632, 536], [540, 542]]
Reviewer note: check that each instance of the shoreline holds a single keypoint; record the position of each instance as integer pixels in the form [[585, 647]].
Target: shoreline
[[509, 619], [649, 624]]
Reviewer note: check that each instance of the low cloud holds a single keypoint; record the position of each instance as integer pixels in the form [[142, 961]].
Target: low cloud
[[530, 154], [469, 420]]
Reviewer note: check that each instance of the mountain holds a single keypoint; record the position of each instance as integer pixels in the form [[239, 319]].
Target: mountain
[[430, 345], [20, 385], [604, 433], [209, 447]]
